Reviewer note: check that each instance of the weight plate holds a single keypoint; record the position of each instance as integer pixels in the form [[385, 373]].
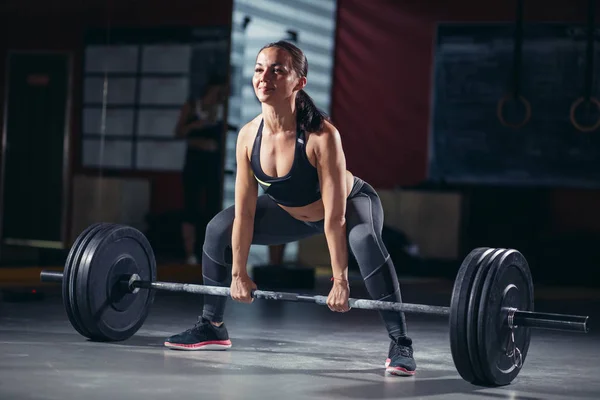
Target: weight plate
[[473, 312], [108, 309], [79, 268], [508, 285], [458, 311], [69, 276]]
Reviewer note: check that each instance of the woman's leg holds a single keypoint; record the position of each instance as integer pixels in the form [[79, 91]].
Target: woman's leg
[[272, 225], [276, 252], [364, 219]]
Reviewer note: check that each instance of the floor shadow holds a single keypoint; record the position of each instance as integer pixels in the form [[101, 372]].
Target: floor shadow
[[421, 388]]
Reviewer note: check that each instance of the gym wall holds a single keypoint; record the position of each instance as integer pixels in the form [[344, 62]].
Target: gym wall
[[382, 97], [60, 26]]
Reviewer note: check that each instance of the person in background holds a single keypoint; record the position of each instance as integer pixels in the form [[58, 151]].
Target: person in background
[[201, 123], [276, 252]]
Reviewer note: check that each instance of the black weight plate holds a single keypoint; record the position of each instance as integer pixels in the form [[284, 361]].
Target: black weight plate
[[509, 285], [128, 311], [458, 311], [69, 275], [78, 266], [82, 286], [67, 270], [110, 312], [473, 312]]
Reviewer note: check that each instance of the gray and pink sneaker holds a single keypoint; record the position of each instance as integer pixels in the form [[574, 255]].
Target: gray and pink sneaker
[[400, 359], [203, 336]]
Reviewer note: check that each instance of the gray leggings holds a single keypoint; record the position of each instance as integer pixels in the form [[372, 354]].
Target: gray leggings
[[273, 225]]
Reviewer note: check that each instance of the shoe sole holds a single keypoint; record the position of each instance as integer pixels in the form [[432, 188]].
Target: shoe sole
[[213, 345], [398, 371]]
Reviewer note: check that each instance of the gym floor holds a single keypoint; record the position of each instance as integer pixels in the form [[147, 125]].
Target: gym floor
[[281, 350]]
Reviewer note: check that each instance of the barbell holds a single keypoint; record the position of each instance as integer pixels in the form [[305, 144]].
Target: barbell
[[109, 281]]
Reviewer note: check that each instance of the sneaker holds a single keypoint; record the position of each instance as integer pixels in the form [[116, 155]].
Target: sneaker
[[400, 359], [203, 336]]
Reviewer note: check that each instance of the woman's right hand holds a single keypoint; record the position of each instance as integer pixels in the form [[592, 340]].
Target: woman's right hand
[[241, 288]]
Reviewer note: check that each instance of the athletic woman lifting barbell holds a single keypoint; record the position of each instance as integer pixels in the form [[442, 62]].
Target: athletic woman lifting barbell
[[295, 154]]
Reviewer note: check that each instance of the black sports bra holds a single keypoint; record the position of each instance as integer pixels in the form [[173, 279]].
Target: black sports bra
[[297, 188]]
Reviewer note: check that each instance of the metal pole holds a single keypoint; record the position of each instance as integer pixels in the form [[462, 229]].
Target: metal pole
[[561, 322], [516, 318], [267, 295], [51, 276]]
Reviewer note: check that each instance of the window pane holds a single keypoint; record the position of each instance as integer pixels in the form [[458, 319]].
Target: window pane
[[118, 122], [171, 91], [157, 122], [111, 58], [107, 153], [166, 58], [119, 90], [164, 156]]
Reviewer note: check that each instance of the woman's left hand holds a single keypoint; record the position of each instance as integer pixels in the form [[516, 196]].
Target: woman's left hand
[[338, 296]]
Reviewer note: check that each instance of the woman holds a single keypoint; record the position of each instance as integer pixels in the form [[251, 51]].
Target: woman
[[201, 124], [296, 155]]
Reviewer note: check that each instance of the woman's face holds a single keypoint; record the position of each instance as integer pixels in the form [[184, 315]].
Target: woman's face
[[274, 79]]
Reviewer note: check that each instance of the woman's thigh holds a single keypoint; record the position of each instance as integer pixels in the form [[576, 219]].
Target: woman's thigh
[[364, 221], [272, 225]]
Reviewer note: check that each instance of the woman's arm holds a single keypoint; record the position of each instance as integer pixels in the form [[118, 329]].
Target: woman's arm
[[180, 127], [331, 166], [246, 193]]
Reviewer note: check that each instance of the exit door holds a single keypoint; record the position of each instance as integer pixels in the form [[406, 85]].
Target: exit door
[[35, 150]]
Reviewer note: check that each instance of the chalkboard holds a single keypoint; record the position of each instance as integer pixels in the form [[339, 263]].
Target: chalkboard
[[473, 71]]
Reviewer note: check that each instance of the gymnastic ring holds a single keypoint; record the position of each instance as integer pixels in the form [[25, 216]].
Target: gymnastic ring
[[501, 107], [576, 124]]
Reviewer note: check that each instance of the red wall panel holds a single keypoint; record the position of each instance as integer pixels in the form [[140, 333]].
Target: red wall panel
[[383, 75]]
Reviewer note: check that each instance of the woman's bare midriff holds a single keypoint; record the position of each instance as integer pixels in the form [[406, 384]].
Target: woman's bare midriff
[[316, 211]]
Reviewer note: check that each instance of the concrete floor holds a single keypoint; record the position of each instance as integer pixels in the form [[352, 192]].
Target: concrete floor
[[280, 351]]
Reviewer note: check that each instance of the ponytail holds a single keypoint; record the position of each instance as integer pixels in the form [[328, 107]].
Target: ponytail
[[309, 117]]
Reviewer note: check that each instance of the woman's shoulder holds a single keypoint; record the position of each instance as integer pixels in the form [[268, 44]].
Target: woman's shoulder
[[327, 132], [248, 131], [252, 125], [325, 140]]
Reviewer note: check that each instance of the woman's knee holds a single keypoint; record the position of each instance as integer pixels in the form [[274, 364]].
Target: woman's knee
[[217, 240], [366, 245]]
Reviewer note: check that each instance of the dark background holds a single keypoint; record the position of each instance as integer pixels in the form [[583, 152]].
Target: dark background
[[382, 104]]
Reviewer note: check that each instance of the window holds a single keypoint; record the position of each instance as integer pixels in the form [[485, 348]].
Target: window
[[135, 82]]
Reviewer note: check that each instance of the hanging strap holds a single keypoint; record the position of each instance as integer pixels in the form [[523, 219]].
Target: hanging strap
[[518, 50], [515, 84], [589, 56], [588, 81], [105, 82]]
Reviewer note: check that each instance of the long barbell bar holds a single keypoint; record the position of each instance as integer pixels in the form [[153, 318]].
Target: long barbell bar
[[530, 319]]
